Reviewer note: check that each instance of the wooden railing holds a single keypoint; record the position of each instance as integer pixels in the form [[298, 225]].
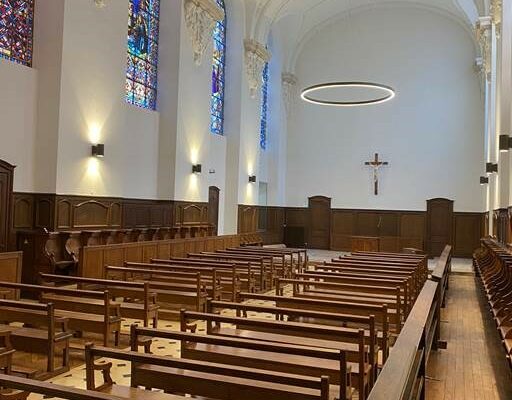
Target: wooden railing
[[403, 375]]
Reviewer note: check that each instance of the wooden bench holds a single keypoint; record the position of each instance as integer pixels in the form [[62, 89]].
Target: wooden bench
[[138, 301], [298, 257], [361, 278], [172, 297], [44, 333], [350, 340], [229, 279], [376, 340], [265, 265], [279, 357], [6, 350], [350, 292], [283, 267], [142, 271], [205, 379], [16, 388], [85, 310], [250, 277]]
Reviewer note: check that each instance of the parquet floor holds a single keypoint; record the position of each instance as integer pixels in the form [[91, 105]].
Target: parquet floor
[[474, 365]]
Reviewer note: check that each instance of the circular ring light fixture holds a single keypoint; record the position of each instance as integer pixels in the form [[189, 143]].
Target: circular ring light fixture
[[389, 93]]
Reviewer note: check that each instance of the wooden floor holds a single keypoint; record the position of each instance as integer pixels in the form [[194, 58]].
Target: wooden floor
[[473, 366]]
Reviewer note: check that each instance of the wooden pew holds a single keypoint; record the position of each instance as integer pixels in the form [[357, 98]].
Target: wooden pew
[[376, 340], [204, 379], [6, 350], [350, 340], [370, 278], [279, 357], [142, 303], [302, 254], [45, 332], [250, 277], [230, 281], [283, 267], [85, 310], [16, 388], [264, 264], [140, 271], [350, 292], [171, 297]]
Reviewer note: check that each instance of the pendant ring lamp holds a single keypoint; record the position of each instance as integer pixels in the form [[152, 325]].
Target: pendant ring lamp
[[388, 94]]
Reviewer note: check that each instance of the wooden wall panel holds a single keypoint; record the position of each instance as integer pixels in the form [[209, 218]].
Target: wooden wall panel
[[412, 230], [61, 213], [247, 219], [342, 229], [367, 223], [467, 231]]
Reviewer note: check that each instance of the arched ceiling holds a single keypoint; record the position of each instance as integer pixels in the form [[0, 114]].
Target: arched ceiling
[[295, 20]]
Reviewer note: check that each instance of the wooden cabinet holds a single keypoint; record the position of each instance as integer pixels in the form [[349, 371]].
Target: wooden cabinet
[[6, 206]]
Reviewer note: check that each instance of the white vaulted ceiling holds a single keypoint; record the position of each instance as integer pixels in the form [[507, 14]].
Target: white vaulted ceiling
[[296, 20]]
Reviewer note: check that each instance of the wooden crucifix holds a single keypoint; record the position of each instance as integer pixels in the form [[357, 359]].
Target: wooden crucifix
[[375, 165]]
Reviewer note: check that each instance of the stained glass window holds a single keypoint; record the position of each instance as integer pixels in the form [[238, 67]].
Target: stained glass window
[[264, 108], [141, 73], [218, 74], [16, 27]]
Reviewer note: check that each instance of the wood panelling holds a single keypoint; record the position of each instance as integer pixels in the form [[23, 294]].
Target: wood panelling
[[395, 229], [61, 213], [468, 228], [439, 225], [269, 222]]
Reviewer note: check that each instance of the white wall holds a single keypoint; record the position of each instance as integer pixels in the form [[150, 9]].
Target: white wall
[[432, 133], [18, 110], [93, 109]]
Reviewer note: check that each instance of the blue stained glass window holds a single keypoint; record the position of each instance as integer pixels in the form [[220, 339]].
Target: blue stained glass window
[[264, 108], [142, 63], [16, 30], [218, 75]]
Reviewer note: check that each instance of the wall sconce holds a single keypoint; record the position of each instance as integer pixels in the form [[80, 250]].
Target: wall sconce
[[98, 150], [211, 171], [505, 143], [197, 168], [252, 179], [491, 167], [484, 180]]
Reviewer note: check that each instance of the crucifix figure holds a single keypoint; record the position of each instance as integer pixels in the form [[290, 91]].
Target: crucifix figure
[[375, 165]]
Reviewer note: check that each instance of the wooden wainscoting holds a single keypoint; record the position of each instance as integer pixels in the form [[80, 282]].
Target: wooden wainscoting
[[94, 258], [396, 229], [267, 221], [63, 213]]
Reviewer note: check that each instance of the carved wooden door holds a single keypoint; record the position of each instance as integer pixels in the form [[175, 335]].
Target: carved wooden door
[[439, 225], [319, 222], [213, 207]]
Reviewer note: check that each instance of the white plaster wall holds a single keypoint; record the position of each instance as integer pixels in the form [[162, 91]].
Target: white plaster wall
[[18, 110], [93, 109], [432, 133]]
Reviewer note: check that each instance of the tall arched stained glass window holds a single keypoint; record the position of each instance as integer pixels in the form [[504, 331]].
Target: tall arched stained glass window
[[218, 75], [264, 108], [141, 72], [16, 30]]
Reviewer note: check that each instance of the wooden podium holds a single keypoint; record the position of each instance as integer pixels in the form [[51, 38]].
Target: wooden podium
[[364, 243]]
